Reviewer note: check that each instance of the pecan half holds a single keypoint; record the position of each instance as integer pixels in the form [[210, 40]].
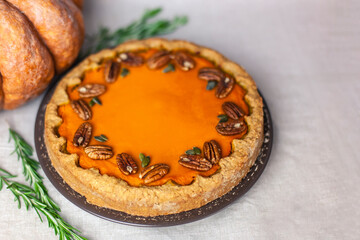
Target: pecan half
[[126, 164], [159, 59], [225, 86], [91, 90], [184, 61], [232, 127], [99, 152], [82, 109], [195, 162], [233, 110], [212, 151], [111, 71], [82, 135], [131, 59], [154, 172], [211, 74]]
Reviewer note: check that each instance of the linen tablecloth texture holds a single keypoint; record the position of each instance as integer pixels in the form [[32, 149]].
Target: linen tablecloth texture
[[305, 58]]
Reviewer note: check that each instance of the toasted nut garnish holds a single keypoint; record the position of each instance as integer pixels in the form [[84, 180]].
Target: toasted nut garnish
[[225, 86], [232, 127], [82, 109], [99, 152], [91, 90], [159, 59], [82, 135], [126, 164], [233, 110], [131, 59], [111, 71], [212, 151], [211, 74], [184, 61], [195, 162], [154, 172]]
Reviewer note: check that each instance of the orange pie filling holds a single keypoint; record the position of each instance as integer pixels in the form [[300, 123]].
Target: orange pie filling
[[160, 114]]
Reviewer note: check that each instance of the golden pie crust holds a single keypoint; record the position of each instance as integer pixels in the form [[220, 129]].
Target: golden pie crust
[[111, 192]]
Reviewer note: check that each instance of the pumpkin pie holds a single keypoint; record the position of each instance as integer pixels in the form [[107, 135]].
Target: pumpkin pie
[[154, 127]]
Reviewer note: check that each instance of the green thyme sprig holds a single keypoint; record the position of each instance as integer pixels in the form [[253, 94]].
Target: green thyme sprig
[[140, 29], [36, 195], [194, 151], [211, 85], [170, 68], [145, 160], [101, 138], [223, 118], [124, 72], [95, 100], [30, 166], [28, 196]]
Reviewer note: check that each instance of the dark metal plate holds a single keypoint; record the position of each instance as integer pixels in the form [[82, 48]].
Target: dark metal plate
[[164, 220]]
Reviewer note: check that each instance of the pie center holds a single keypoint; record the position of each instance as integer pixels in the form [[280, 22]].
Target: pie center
[[158, 114]]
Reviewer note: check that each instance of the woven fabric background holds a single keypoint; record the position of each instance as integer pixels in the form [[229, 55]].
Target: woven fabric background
[[305, 58]]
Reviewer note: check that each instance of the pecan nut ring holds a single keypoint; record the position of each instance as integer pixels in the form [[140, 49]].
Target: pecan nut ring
[[99, 152], [82, 109], [82, 135], [195, 162], [233, 110], [184, 61], [231, 127], [211, 74], [126, 164], [131, 59], [111, 71], [225, 87], [212, 151], [91, 90], [159, 59], [154, 172]]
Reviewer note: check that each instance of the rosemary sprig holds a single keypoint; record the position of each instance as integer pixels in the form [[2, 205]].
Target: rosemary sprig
[[35, 196], [30, 166], [140, 29], [29, 197]]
